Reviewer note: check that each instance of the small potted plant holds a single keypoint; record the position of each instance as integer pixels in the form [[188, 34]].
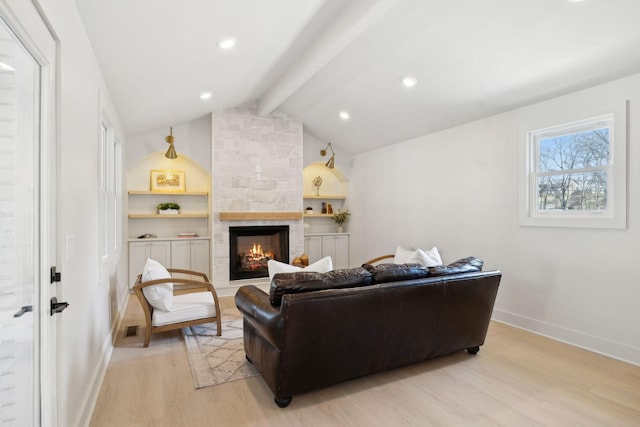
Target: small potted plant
[[168, 208], [340, 217]]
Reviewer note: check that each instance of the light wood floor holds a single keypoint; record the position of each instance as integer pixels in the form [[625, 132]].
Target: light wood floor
[[517, 379]]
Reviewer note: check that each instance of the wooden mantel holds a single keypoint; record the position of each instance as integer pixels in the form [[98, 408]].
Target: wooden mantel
[[257, 216]]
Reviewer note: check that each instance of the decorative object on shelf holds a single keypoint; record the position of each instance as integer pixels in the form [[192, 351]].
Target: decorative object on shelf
[[331, 162], [169, 181], [147, 236], [309, 211], [324, 208], [329, 208], [317, 182], [188, 235], [168, 209], [340, 217], [171, 151]]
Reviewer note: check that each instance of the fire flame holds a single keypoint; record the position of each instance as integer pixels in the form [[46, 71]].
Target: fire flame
[[257, 253]]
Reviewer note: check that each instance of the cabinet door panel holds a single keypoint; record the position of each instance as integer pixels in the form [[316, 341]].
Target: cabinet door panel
[[161, 252], [181, 254], [342, 252], [337, 247], [137, 258], [313, 248], [200, 256]]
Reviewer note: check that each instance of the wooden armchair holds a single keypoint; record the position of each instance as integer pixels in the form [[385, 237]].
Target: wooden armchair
[[194, 305], [380, 258]]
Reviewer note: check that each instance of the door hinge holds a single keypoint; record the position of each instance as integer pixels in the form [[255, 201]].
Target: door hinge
[[55, 276]]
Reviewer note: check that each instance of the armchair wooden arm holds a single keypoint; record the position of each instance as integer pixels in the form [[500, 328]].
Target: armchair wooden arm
[[380, 258]]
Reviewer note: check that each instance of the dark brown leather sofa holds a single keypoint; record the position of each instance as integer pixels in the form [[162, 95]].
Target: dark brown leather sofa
[[315, 330]]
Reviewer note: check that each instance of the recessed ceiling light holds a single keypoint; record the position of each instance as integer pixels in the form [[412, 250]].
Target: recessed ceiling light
[[409, 81], [205, 95], [227, 42], [344, 115]]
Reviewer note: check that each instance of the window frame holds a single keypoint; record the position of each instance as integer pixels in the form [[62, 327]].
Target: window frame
[[615, 216], [534, 139], [109, 194]]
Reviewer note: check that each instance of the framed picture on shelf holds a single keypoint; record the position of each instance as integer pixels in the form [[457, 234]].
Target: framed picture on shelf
[[170, 181]]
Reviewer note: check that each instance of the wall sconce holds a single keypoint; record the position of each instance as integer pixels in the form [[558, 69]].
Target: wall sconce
[[171, 152], [331, 162]]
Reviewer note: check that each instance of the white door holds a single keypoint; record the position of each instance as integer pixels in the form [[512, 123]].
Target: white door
[[27, 337]]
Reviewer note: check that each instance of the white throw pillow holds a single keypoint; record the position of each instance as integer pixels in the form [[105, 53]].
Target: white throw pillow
[[403, 256], [430, 258], [323, 265], [159, 296]]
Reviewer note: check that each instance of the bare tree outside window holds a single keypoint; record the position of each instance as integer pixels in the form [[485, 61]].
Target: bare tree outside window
[[573, 168]]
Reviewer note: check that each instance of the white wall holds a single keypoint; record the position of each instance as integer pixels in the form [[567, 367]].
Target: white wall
[[84, 329], [458, 190]]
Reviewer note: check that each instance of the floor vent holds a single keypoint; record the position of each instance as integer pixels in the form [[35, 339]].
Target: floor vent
[[131, 331]]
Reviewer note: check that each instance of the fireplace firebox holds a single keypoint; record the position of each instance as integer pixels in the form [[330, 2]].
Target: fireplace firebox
[[251, 247]]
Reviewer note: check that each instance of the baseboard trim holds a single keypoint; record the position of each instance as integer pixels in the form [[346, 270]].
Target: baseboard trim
[[615, 350]]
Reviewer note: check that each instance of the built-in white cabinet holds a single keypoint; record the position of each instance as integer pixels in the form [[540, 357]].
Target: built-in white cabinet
[[188, 254], [335, 245], [159, 250], [313, 247]]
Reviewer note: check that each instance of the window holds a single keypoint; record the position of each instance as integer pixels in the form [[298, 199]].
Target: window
[[109, 194], [104, 191], [572, 179], [571, 169]]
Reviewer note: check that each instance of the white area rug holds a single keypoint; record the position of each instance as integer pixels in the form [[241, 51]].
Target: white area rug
[[217, 359]]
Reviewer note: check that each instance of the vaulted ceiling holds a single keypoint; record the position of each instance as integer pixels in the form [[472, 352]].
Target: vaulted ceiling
[[315, 58]]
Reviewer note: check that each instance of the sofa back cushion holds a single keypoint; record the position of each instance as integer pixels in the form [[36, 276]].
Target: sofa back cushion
[[309, 281], [382, 273], [464, 265]]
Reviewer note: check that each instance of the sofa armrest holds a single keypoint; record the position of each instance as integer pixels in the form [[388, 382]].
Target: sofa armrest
[[256, 308]]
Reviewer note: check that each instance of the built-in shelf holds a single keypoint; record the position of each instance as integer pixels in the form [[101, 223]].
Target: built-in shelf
[[318, 215], [256, 216], [181, 215], [172, 193], [165, 238], [324, 197]]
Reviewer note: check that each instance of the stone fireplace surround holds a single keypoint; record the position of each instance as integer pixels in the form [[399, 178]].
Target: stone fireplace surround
[[256, 171]]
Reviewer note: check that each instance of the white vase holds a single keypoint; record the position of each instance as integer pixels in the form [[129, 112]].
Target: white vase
[[340, 229]]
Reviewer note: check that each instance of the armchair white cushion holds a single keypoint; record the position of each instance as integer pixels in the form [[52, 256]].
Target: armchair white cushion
[[186, 307]]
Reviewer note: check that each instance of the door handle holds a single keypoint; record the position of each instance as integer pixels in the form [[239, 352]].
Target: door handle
[[57, 307], [23, 310]]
